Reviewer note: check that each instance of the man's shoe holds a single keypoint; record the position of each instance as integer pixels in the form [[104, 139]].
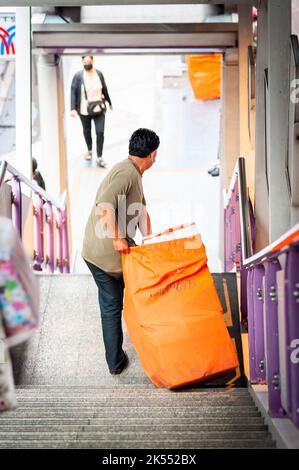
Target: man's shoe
[[122, 367], [88, 155], [101, 163]]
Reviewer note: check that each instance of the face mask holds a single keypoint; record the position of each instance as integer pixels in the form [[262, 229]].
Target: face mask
[[88, 66]]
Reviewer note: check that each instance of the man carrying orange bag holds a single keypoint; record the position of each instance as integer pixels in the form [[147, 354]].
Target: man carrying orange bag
[[110, 231]]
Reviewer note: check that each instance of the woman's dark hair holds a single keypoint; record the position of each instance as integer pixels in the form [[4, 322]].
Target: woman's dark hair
[[143, 142], [87, 55]]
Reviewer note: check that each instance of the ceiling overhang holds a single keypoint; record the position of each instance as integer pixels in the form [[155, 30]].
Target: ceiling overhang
[[98, 37]]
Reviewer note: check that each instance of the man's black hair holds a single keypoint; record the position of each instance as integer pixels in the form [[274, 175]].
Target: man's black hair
[[143, 142], [87, 55]]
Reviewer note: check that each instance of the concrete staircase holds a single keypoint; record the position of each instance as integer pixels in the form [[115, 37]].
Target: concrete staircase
[[132, 417], [68, 399]]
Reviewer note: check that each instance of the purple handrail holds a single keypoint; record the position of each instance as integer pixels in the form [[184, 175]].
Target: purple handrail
[[45, 207], [272, 301]]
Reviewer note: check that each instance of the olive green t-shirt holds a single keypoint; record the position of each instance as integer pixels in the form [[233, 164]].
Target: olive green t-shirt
[[122, 190]]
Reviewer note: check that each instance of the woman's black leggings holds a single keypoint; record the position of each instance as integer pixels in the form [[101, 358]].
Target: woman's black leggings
[[99, 122]]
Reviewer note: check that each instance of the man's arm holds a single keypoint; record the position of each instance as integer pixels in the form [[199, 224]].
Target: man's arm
[[73, 92], [105, 89], [144, 223], [107, 217]]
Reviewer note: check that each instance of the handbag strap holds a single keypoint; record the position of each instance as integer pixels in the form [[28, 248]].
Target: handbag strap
[[85, 92]]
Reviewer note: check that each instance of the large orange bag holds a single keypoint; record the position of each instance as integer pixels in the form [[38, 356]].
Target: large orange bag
[[173, 314], [204, 72]]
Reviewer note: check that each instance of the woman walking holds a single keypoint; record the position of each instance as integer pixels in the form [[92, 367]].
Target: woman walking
[[89, 95]]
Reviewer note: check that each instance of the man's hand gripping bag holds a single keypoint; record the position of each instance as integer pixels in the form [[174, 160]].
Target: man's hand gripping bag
[[173, 315]]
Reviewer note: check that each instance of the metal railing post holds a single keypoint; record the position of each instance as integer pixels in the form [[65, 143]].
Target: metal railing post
[[251, 327], [65, 242], [38, 214], [258, 312], [3, 167], [59, 226], [17, 204], [292, 332], [271, 336], [243, 295], [50, 237]]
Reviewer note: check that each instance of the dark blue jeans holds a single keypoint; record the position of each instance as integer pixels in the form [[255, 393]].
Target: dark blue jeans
[[111, 291]]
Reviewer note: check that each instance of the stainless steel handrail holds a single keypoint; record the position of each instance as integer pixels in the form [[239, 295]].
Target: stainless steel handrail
[[239, 174], [278, 245], [246, 242], [5, 166], [295, 54]]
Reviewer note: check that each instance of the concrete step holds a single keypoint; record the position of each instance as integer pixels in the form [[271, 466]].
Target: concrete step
[[248, 422], [140, 444], [133, 418], [129, 388], [151, 426], [130, 394], [130, 434], [122, 399], [111, 412], [126, 401], [97, 412]]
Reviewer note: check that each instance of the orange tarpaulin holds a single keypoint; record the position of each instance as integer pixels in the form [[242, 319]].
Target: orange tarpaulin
[[204, 71], [173, 314]]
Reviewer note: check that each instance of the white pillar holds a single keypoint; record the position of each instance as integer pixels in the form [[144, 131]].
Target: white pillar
[[229, 131], [229, 128], [52, 160], [261, 201], [23, 90], [279, 30], [245, 39]]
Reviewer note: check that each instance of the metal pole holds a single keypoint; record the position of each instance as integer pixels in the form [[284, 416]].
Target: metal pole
[[17, 204], [3, 166], [50, 236], [244, 211], [258, 311], [251, 327], [271, 336], [292, 332], [59, 227], [38, 232], [65, 242], [23, 91]]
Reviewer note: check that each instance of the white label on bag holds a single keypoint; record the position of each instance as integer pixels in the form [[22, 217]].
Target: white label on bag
[[189, 230]]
